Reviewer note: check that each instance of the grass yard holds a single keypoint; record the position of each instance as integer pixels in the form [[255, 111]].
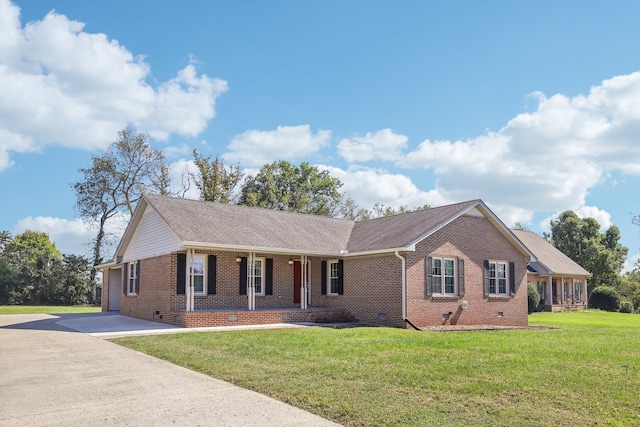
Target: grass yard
[[584, 371], [47, 309]]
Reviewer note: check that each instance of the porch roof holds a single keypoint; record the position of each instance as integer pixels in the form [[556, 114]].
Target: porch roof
[[549, 260]]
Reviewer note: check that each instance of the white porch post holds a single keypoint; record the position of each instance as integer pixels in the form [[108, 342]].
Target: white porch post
[[189, 303], [562, 290], [585, 297], [303, 282], [251, 290], [549, 299]]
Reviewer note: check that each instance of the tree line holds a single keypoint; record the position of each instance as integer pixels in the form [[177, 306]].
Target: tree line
[[33, 271]]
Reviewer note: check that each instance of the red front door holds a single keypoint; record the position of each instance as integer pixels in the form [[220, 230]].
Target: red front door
[[297, 281]]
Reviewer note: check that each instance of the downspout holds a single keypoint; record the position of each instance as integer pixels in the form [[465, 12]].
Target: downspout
[[404, 290]]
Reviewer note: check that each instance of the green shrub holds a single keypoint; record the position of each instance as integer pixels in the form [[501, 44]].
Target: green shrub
[[626, 307], [533, 296], [605, 298]]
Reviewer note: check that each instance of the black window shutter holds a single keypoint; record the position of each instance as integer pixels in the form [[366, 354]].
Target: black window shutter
[[461, 277], [268, 280], [486, 277], [137, 280], [211, 275], [428, 276], [323, 276], [512, 277], [181, 274], [340, 277], [243, 275], [126, 278]]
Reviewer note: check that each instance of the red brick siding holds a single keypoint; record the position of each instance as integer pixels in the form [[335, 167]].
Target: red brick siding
[[157, 285], [474, 240], [372, 289], [196, 319]]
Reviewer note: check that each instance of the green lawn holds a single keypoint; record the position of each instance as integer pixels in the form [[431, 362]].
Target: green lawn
[[47, 309], [583, 371]]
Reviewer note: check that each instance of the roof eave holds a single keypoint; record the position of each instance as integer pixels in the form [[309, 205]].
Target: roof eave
[[291, 251]]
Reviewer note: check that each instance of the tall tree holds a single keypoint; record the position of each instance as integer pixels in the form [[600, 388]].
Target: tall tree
[[599, 253], [287, 187], [32, 256], [215, 180], [116, 180]]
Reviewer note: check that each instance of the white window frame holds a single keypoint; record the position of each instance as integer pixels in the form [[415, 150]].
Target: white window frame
[[261, 277], [441, 278], [132, 271], [203, 274], [496, 279], [332, 266]]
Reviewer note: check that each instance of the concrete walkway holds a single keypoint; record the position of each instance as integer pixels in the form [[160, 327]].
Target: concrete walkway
[[53, 375]]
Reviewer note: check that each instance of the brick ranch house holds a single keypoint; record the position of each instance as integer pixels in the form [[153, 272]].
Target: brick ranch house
[[561, 282], [194, 263]]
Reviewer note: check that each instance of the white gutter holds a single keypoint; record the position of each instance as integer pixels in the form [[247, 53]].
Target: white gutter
[[404, 285]]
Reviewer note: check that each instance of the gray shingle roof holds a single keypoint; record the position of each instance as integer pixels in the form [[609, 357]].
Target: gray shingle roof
[[402, 230], [553, 259], [227, 225]]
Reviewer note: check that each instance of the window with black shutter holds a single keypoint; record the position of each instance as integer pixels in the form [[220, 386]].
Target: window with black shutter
[[181, 274], [211, 275], [243, 275]]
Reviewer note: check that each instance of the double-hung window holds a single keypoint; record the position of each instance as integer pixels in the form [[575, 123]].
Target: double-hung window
[[444, 276], [443, 272], [258, 276], [334, 277], [133, 277], [197, 273], [497, 278]]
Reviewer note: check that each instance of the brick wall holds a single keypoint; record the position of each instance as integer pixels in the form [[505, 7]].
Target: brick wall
[[196, 319], [372, 290], [474, 240], [157, 284]]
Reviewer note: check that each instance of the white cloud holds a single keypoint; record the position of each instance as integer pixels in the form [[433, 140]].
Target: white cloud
[[383, 145], [59, 84], [370, 186], [74, 236], [603, 217], [256, 148], [181, 183], [546, 160], [631, 262]]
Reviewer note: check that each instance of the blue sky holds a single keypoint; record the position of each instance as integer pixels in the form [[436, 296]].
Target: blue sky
[[533, 107]]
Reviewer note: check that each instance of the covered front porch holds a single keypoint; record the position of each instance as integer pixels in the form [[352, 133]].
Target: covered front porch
[[560, 293], [223, 288]]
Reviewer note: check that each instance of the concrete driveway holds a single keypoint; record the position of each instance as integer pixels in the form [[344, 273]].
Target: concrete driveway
[[54, 373]]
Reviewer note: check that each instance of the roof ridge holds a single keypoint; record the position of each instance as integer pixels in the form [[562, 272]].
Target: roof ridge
[[420, 210], [238, 206]]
